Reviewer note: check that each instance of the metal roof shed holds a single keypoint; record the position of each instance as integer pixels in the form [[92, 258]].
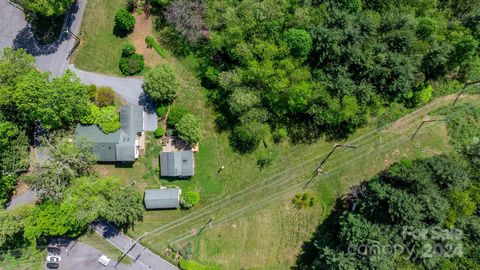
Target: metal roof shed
[[162, 198], [177, 163]]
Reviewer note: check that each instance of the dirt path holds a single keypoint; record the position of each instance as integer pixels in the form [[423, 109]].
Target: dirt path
[[144, 28]]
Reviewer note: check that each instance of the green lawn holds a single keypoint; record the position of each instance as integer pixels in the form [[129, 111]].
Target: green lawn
[[254, 224], [100, 49]]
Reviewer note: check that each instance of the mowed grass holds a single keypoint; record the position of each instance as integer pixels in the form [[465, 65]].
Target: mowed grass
[[100, 49]]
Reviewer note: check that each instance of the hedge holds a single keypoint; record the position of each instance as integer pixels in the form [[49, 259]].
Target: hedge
[[151, 43]]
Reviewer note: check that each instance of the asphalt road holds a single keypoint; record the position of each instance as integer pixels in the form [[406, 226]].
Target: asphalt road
[[141, 255], [129, 89], [15, 32]]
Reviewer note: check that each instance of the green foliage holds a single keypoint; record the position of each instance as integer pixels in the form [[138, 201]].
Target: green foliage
[[11, 228], [464, 127], [426, 27], [436, 192], [128, 49], [161, 84], [159, 132], [176, 114], [105, 97], [47, 8], [108, 119], [151, 43], [391, 113], [131, 65], [124, 21], [189, 129], [66, 161], [304, 200], [189, 199], [7, 185], [245, 139], [193, 265], [264, 161], [92, 92], [280, 135], [162, 111], [299, 42], [56, 103], [464, 48]]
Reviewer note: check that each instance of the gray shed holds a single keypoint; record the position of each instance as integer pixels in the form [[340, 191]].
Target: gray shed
[[177, 164], [162, 198]]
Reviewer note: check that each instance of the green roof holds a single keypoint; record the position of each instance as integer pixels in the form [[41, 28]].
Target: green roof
[[119, 145]]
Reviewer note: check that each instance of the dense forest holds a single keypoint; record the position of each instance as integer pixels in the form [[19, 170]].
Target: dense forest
[[417, 214], [313, 68]]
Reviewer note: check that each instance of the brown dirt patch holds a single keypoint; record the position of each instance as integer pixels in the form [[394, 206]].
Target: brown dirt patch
[[143, 28]]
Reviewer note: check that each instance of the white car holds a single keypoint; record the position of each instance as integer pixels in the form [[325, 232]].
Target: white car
[[54, 258]]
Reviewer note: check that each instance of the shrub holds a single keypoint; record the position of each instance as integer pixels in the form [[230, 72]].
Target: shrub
[[124, 21], [108, 119], [189, 129], [159, 132], [128, 49], [7, 185], [161, 84], [105, 97], [151, 43], [131, 5], [304, 200], [175, 115], [162, 111], [299, 41], [91, 117], [189, 199], [280, 135], [193, 265], [92, 92], [132, 65], [264, 162], [245, 138]]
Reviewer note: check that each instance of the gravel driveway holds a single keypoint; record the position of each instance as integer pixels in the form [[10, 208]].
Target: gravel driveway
[[129, 89]]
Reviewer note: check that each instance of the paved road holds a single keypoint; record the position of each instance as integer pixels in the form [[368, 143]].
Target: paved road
[[138, 253], [129, 89], [15, 32]]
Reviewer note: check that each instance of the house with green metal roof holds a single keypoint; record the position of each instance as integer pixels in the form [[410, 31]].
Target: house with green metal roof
[[163, 198], [120, 146], [177, 164]]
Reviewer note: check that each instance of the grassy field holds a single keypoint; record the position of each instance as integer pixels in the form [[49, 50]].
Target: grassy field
[[100, 49], [254, 223], [28, 260]]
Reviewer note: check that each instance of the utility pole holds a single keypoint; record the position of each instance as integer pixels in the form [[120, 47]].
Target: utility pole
[[421, 125], [319, 168], [204, 226], [463, 90], [130, 248], [77, 42]]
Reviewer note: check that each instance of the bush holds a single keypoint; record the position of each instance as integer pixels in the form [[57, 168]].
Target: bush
[[128, 49], [124, 21], [264, 161], [159, 132], [304, 200], [131, 65], [175, 115], [245, 139], [7, 185], [189, 129], [189, 199], [161, 111], [109, 119], [161, 84], [92, 92], [280, 135], [151, 43], [131, 5], [193, 265], [105, 97]]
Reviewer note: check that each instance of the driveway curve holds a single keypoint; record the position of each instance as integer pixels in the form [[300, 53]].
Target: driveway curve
[[128, 89]]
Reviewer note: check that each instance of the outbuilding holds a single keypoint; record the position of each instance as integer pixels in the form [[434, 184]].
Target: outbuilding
[[177, 164], [163, 198]]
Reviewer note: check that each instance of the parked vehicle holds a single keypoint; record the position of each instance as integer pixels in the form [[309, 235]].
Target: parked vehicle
[[52, 265], [53, 258]]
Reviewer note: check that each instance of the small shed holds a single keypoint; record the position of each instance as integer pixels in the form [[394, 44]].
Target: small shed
[[163, 198], [177, 164]]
